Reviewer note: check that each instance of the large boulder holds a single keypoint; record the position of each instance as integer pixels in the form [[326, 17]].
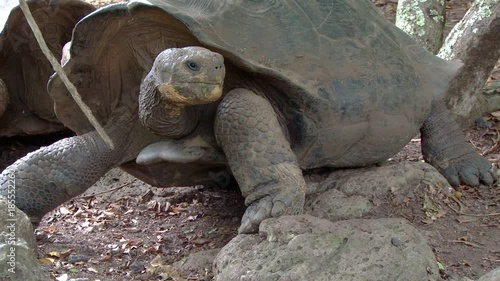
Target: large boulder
[[348, 194], [17, 245], [197, 264], [309, 248], [493, 275]]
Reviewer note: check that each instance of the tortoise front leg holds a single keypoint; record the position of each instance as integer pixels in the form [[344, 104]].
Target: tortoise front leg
[[260, 158], [51, 175], [46, 178], [444, 146]]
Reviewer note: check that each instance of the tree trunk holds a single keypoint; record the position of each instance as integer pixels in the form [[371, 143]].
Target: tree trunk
[[423, 20], [475, 40]]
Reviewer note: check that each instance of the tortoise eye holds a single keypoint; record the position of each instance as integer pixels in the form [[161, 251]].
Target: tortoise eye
[[193, 66]]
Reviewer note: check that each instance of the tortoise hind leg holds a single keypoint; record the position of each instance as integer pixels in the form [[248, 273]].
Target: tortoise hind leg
[[444, 146], [260, 158]]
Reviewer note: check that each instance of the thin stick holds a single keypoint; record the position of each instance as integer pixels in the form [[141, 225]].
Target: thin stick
[[59, 70], [472, 244], [487, 259], [482, 215], [103, 192]]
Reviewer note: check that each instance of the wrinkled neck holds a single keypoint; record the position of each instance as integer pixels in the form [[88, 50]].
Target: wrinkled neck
[[162, 117]]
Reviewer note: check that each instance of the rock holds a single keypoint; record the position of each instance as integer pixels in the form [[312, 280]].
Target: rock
[[397, 178], [198, 264], [136, 267], [493, 275], [335, 205], [308, 248], [17, 262], [161, 270], [77, 258], [347, 194]]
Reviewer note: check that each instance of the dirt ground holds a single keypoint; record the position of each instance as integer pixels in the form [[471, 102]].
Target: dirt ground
[[117, 228]]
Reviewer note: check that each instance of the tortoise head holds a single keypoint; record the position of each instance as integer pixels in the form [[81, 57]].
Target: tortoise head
[[180, 78], [188, 76]]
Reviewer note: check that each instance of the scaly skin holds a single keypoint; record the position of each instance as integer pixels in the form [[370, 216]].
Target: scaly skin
[[48, 177], [260, 158], [180, 79], [54, 174], [444, 146]]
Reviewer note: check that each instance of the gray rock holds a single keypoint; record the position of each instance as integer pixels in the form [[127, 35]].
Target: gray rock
[[136, 266], [398, 178], [347, 194], [335, 205], [198, 264], [308, 248], [17, 246], [77, 258], [493, 275]]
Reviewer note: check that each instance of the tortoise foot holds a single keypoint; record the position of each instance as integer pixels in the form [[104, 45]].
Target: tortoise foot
[[470, 169], [267, 207]]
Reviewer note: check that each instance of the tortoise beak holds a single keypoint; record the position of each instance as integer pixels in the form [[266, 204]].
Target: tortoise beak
[[191, 93]]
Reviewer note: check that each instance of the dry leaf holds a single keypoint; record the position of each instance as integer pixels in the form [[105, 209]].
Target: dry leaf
[[200, 241], [107, 257], [427, 221], [132, 229], [63, 277], [64, 211], [66, 253], [162, 230], [55, 254], [49, 229], [46, 260], [153, 249], [71, 220]]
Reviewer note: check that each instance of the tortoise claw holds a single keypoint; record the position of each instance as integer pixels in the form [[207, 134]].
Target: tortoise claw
[[267, 207], [471, 169]]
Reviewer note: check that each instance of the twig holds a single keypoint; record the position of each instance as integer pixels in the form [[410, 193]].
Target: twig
[[494, 147], [103, 192], [483, 215], [456, 211], [487, 259], [460, 205], [472, 244], [59, 70]]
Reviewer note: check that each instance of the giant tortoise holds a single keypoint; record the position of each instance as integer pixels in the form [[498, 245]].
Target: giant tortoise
[[304, 84], [25, 106]]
